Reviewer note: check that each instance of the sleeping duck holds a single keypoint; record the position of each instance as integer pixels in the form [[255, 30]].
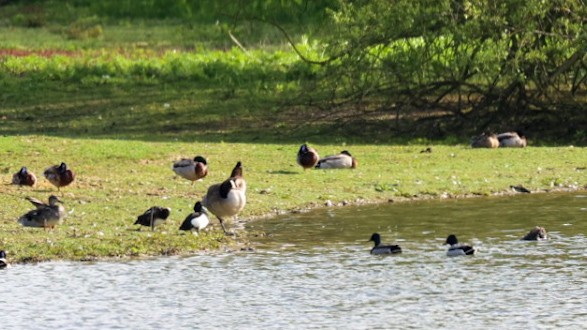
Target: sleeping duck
[[3, 262], [457, 249], [485, 140], [536, 234], [59, 175], [342, 160], [191, 169], [381, 248], [197, 220], [24, 177], [228, 198], [152, 217], [307, 157], [44, 215], [512, 140]]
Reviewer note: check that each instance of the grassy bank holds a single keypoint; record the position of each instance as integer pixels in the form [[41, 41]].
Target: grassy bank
[[119, 179]]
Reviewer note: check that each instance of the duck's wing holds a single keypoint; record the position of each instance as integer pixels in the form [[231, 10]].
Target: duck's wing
[[187, 222], [37, 203]]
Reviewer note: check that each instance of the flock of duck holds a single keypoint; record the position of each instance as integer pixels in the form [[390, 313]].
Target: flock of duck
[[226, 199]]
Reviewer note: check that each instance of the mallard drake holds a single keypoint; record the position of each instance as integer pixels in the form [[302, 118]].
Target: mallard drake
[[3, 262], [512, 140], [44, 215], [457, 249], [307, 157], [536, 234], [152, 217], [197, 220], [383, 249], [485, 140], [59, 175], [24, 177], [228, 198], [342, 160], [191, 169]]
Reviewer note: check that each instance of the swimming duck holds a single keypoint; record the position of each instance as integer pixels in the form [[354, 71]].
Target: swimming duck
[[342, 160], [152, 217], [520, 189], [191, 169], [197, 220], [383, 249], [24, 177], [536, 234], [3, 262], [228, 198], [485, 140], [512, 140], [59, 175], [457, 249], [307, 157], [44, 215]]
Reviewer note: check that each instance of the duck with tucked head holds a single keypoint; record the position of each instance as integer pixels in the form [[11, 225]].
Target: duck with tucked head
[[515, 139], [24, 177], [380, 248], [536, 234], [44, 215], [228, 198], [307, 157], [197, 220], [457, 249], [153, 217], [485, 140], [191, 169], [3, 262], [59, 175], [342, 160]]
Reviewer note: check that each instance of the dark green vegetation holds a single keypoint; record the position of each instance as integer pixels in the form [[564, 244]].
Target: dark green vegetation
[[120, 89]]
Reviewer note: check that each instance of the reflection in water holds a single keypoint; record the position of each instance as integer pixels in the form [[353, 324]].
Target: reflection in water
[[314, 270]]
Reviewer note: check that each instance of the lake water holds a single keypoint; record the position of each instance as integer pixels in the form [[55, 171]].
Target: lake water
[[314, 271]]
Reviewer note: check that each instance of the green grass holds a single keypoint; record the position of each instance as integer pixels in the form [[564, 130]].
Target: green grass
[[119, 179]]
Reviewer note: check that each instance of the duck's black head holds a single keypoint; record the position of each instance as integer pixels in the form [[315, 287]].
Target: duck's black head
[[2, 254], [62, 168], [23, 171], [345, 152], [162, 212], [303, 149], [451, 240], [375, 238], [198, 207], [200, 159]]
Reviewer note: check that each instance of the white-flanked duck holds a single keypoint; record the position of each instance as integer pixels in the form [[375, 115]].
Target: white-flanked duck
[[382, 248], [457, 249], [24, 177], [536, 234], [485, 140], [191, 169], [228, 198], [512, 140], [307, 157], [153, 217], [3, 261], [197, 220], [342, 160], [59, 175], [44, 215]]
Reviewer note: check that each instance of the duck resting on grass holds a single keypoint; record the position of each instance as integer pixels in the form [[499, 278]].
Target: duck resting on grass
[[515, 139], [59, 175], [228, 198], [342, 160], [485, 140], [198, 220], [457, 249], [153, 217], [382, 248], [44, 215], [24, 177], [307, 157], [191, 169]]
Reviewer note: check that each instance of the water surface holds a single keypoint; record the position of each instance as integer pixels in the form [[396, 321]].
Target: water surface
[[314, 271]]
